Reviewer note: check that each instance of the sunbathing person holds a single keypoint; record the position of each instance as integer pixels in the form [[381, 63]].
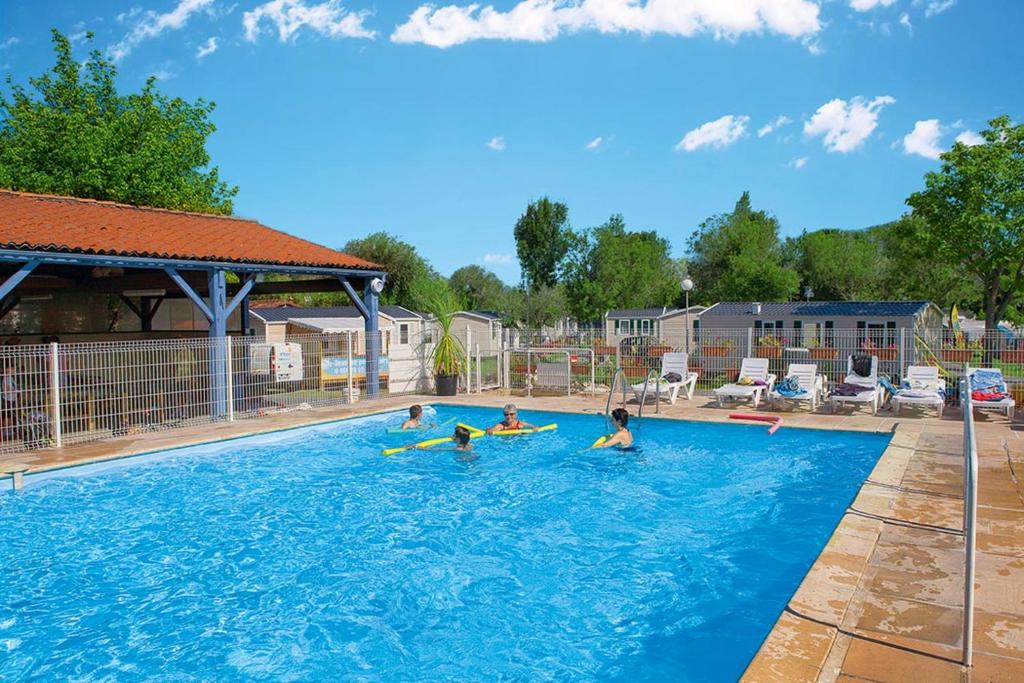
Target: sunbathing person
[[623, 438], [511, 421]]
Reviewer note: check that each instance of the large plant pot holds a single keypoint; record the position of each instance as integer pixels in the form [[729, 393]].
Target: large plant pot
[[1012, 357], [883, 354], [715, 351], [768, 351], [957, 355], [446, 385], [824, 353]]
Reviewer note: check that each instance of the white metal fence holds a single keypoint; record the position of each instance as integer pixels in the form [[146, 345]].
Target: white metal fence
[[970, 520], [537, 362], [63, 394]]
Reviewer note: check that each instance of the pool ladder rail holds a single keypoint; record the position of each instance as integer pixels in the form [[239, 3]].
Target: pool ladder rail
[[652, 374], [619, 373]]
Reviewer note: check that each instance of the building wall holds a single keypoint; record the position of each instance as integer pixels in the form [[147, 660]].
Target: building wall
[[483, 332]]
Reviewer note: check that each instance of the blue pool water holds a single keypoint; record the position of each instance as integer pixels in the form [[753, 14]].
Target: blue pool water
[[306, 555]]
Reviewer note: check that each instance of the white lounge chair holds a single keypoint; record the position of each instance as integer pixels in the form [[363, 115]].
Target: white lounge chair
[[756, 369], [670, 362], [872, 393], [1005, 405], [812, 385], [922, 388]]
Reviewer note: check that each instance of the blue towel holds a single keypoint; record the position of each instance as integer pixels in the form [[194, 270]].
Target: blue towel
[[790, 387], [988, 381]]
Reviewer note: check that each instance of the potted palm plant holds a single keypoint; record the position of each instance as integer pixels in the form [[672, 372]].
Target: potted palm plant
[[448, 356]]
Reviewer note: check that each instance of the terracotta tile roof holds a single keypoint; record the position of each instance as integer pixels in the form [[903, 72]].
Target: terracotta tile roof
[[87, 226]]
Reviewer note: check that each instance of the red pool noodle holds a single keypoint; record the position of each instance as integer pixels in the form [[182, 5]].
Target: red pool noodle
[[774, 419]]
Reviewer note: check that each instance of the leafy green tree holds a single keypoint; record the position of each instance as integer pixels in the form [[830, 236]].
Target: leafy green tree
[[842, 265], [479, 289], [737, 256], [77, 135], [914, 271], [973, 210], [610, 267], [542, 306], [542, 240], [411, 282]]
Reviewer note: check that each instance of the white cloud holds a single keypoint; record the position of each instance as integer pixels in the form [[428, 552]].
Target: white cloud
[[844, 125], [497, 143], [721, 132], [938, 7], [545, 20], [905, 22], [970, 138], [288, 16], [595, 143], [799, 163], [151, 24], [10, 42], [773, 126], [498, 259], [207, 48], [865, 5], [924, 139]]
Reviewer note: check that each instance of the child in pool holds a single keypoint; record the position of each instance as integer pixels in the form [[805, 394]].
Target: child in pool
[[415, 413], [622, 437]]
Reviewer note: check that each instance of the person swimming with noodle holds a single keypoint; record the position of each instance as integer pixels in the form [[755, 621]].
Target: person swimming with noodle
[[622, 438], [511, 421]]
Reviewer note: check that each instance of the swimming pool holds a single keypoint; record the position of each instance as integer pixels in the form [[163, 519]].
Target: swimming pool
[[306, 555]]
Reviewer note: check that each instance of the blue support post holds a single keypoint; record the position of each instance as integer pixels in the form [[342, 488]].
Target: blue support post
[[218, 291], [371, 324], [14, 280]]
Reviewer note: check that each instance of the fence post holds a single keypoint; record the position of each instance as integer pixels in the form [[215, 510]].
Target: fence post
[[230, 388], [58, 436], [349, 365], [750, 341], [593, 371], [469, 359], [568, 373], [479, 373], [903, 352]]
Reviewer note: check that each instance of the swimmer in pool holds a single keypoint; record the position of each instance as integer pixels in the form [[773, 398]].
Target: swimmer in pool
[[511, 421], [623, 438], [415, 414]]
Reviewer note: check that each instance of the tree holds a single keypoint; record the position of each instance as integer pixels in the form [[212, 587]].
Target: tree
[[973, 210], [542, 306], [737, 256], [610, 267], [542, 241], [914, 272], [77, 135], [409, 275], [478, 289], [842, 265]]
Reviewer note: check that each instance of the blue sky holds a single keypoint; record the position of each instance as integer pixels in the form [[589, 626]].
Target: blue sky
[[341, 117]]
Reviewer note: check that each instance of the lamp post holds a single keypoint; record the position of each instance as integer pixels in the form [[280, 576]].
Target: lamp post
[[687, 285]]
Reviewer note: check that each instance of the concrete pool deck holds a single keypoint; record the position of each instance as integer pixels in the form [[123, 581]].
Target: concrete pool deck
[[884, 599]]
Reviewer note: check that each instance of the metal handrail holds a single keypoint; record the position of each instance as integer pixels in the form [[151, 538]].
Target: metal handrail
[[611, 392], [970, 515], [652, 373]]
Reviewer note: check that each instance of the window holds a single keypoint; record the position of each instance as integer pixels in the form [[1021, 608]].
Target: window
[[696, 331], [645, 327], [815, 332], [403, 333]]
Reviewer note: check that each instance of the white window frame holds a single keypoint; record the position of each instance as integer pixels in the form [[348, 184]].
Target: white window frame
[[403, 333]]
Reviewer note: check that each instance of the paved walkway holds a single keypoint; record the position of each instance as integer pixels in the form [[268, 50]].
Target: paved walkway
[[883, 601]]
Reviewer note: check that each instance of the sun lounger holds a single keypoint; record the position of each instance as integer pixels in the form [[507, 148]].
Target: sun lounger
[[872, 393], [1004, 405], [921, 387], [812, 385], [670, 362], [755, 369]]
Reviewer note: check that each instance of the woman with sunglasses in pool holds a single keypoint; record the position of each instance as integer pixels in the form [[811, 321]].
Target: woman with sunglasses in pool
[[511, 421]]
